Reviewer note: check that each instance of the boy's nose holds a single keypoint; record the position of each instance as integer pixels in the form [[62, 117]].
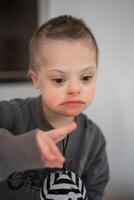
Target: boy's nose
[[73, 88]]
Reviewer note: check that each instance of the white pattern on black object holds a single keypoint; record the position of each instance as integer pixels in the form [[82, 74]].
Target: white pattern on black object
[[63, 186]]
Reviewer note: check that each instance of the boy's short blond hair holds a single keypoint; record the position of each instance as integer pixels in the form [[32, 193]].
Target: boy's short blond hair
[[63, 27]]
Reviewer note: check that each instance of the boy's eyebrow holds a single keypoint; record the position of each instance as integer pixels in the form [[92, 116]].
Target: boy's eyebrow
[[89, 68], [57, 70], [63, 72]]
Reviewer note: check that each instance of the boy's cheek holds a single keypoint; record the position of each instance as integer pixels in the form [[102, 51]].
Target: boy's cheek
[[52, 98]]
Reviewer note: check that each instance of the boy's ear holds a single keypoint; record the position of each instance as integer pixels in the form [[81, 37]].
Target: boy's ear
[[34, 76]]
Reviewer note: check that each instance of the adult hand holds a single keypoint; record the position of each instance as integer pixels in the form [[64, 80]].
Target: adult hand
[[46, 140]]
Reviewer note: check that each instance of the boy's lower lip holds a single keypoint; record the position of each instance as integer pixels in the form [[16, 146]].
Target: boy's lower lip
[[72, 104]]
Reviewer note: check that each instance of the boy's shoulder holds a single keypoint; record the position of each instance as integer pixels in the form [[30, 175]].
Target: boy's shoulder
[[22, 101], [87, 122], [18, 102], [90, 128], [18, 105], [18, 114]]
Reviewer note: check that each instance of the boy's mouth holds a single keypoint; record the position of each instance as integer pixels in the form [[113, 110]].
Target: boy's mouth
[[72, 104]]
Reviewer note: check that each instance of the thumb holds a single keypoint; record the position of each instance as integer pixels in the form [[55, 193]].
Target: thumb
[[60, 133]]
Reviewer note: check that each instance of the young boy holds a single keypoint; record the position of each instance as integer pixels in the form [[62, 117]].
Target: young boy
[[63, 66]]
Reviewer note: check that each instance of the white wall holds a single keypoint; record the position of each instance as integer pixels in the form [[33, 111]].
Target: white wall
[[113, 24], [13, 90]]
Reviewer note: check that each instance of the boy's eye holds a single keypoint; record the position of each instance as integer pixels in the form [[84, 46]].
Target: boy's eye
[[59, 80], [86, 78]]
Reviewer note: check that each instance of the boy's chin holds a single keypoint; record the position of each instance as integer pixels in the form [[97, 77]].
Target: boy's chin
[[71, 114]]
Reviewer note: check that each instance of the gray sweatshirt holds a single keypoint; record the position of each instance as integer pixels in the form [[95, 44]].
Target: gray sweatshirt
[[21, 171]]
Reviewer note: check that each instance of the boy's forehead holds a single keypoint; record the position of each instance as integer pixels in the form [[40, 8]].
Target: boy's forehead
[[66, 51], [72, 44]]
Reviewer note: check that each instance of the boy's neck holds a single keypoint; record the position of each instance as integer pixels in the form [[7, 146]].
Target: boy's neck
[[56, 120], [60, 122]]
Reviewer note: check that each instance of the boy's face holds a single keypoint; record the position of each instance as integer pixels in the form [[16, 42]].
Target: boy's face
[[66, 77]]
